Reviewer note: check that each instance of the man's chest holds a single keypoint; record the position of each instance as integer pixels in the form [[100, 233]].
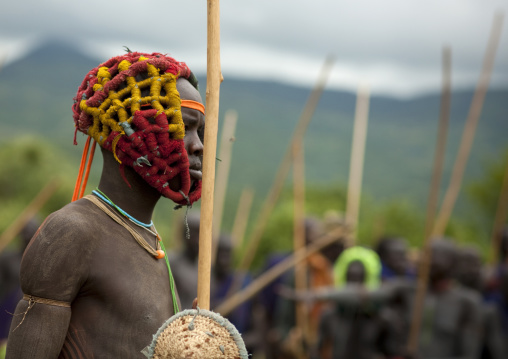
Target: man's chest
[[124, 300], [127, 282]]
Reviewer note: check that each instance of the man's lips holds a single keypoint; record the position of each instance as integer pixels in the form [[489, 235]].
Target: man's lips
[[195, 174]]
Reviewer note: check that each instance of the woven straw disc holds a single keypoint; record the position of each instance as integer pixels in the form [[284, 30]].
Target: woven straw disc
[[199, 335]]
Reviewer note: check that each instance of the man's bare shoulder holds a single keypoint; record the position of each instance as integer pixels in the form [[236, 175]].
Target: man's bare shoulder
[[56, 262]]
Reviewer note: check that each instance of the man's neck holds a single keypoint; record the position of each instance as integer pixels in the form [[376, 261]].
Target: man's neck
[[138, 199]]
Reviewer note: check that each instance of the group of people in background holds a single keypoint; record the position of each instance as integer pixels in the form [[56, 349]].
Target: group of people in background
[[358, 302]]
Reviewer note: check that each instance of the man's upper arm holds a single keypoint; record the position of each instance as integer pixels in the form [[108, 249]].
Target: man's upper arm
[[55, 263], [53, 269]]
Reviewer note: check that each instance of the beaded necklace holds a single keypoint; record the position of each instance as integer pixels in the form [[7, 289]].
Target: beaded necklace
[[106, 199], [161, 250]]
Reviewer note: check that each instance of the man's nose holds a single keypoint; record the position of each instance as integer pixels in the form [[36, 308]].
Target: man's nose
[[195, 146]]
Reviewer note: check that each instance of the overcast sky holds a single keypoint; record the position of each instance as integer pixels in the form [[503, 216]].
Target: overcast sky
[[394, 46]]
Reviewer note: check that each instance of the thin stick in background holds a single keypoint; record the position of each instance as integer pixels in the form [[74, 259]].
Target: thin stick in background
[[469, 129], [221, 182], [500, 219], [299, 234], [31, 210], [242, 217], [213, 80], [437, 173], [273, 194], [356, 163]]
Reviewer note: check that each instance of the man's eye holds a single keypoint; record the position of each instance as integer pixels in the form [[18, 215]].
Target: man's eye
[[186, 128]]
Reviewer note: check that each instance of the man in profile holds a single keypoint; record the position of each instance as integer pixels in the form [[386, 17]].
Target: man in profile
[[95, 278]]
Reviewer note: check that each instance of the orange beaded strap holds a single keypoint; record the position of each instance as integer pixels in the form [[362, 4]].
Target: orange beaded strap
[[194, 105]]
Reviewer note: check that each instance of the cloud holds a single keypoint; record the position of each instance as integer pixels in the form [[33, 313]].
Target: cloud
[[395, 45]]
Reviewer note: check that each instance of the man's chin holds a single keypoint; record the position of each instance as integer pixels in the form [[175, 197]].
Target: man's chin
[[194, 185]]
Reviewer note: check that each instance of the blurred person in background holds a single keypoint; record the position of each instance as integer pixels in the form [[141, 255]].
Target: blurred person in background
[[184, 263], [393, 253], [319, 275], [470, 274], [351, 325], [223, 277], [452, 316]]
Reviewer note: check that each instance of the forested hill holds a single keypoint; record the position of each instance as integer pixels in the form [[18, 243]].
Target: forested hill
[[36, 96]]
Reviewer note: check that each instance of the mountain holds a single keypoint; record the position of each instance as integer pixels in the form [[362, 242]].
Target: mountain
[[36, 96]]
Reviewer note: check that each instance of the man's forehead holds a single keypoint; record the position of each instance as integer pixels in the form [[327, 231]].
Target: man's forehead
[[187, 91]]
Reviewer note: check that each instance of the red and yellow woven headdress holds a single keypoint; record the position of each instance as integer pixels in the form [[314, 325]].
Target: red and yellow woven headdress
[[130, 106]]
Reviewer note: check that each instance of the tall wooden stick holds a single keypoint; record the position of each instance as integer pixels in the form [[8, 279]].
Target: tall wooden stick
[[423, 272], [213, 80], [500, 218], [356, 164], [31, 210], [273, 273], [273, 195], [221, 183], [242, 216], [299, 233], [469, 129]]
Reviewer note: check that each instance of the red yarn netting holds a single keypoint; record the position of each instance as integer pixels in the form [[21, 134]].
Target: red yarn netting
[[144, 132]]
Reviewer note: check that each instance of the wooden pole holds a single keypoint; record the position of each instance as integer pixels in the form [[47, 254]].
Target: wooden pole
[[424, 266], [213, 80], [299, 234], [273, 194], [273, 273], [31, 210], [242, 217], [356, 163], [221, 183], [500, 218], [469, 130]]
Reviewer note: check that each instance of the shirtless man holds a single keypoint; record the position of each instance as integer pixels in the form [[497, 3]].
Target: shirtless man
[[91, 291], [393, 254], [451, 325]]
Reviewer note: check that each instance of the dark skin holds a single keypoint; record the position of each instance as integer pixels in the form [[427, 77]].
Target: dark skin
[[443, 261], [393, 253], [469, 268], [355, 272], [120, 294], [455, 322]]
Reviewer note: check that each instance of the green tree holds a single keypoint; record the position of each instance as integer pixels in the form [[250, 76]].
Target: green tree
[[485, 191], [26, 165]]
